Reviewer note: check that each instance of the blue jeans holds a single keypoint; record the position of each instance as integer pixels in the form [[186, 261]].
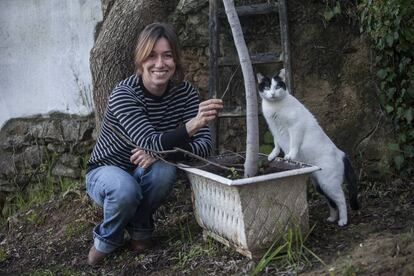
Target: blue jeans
[[128, 200]]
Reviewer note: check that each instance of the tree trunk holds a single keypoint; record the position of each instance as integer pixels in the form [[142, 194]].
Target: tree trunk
[[111, 57], [252, 139]]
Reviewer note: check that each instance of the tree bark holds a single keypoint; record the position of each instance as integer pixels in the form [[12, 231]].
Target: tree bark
[[252, 125], [111, 58]]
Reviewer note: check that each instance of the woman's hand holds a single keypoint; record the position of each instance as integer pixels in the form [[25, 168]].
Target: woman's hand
[[141, 159], [207, 111]]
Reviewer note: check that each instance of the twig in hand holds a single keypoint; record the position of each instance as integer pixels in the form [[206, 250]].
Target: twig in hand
[[228, 84]]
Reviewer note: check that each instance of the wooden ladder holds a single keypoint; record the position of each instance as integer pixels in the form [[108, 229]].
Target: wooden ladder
[[215, 61]]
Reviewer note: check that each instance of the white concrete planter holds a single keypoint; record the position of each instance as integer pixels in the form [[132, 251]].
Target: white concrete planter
[[249, 214]]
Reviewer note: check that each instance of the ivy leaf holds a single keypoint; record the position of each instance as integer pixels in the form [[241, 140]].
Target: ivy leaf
[[409, 151], [382, 74], [390, 40], [328, 15], [391, 92], [394, 147], [389, 108], [337, 9], [399, 161], [402, 138], [409, 115], [410, 91]]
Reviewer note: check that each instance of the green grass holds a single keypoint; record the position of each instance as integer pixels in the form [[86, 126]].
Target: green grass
[[57, 270], [74, 229], [187, 246], [42, 188], [3, 254], [351, 270], [288, 252], [190, 252]]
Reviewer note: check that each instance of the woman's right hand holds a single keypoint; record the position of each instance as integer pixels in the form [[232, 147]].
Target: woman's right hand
[[207, 111], [140, 158]]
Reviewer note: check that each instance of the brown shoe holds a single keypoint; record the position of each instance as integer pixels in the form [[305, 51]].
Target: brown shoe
[[139, 246], [95, 257]]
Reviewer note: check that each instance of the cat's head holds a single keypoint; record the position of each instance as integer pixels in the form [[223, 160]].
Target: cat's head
[[272, 89]]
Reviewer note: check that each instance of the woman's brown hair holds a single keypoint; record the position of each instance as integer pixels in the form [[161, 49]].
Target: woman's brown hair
[[146, 42]]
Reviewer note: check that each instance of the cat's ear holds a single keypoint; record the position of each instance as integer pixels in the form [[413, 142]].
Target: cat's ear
[[282, 74], [260, 78]]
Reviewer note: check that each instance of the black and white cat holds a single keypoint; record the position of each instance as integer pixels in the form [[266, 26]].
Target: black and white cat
[[296, 131]]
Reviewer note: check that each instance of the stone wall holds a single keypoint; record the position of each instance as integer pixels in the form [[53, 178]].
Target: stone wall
[[32, 149]]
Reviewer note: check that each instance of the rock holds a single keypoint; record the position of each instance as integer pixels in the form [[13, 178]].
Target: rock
[[191, 6], [65, 171]]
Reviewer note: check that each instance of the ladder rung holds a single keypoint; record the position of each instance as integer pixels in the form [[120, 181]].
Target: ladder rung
[[271, 57], [253, 9]]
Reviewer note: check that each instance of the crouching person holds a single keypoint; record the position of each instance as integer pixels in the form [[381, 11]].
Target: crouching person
[[156, 110]]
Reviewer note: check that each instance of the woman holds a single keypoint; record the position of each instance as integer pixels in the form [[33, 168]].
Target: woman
[[155, 110]]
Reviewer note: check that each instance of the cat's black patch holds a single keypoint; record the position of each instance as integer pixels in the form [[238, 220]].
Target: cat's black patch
[[265, 83], [279, 82], [319, 190], [351, 179]]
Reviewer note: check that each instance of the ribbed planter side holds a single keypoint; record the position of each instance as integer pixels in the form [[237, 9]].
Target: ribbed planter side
[[218, 209], [270, 208]]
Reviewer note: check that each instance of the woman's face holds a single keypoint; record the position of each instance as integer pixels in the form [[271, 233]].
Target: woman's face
[[158, 68]]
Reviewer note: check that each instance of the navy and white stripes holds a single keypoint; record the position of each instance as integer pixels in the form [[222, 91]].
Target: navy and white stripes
[[148, 121]]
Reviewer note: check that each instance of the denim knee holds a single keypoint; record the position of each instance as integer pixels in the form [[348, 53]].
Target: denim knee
[[163, 176], [113, 186], [127, 196]]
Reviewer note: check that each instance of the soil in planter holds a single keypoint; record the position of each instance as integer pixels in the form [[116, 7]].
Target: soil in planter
[[235, 165]]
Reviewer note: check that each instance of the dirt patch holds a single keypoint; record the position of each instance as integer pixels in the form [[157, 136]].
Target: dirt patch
[[54, 238]]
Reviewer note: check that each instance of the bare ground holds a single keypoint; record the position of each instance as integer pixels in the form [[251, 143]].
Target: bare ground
[[54, 238]]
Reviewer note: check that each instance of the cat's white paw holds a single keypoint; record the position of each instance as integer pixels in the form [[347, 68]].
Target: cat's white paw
[[342, 222], [331, 219], [289, 157], [273, 154]]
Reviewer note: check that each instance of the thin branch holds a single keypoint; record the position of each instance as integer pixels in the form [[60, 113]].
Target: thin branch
[[228, 84]]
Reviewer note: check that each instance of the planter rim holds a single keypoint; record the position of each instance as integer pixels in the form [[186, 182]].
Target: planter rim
[[249, 180]]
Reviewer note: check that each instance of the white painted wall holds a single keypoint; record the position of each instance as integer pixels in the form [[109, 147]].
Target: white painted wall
[[44, 56]]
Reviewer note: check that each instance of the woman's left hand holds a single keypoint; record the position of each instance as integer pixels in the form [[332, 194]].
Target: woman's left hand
[[140, 158]]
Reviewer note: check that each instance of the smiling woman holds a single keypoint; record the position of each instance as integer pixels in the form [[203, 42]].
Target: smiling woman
[[157, 111], [158, 58]]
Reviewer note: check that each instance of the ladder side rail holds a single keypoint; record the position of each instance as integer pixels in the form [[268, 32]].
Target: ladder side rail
[[284, 35], [213, 65]]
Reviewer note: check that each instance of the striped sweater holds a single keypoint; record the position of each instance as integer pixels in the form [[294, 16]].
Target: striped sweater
[[148, 121]]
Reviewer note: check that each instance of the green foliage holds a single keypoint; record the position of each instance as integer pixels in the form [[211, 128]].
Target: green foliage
[[331, 12], [267, 146], [233, 173], [389, 25], [3, 254], [287, 252], [351, 270]]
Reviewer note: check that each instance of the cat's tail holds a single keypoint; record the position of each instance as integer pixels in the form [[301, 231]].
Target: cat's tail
[[351, 180]]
